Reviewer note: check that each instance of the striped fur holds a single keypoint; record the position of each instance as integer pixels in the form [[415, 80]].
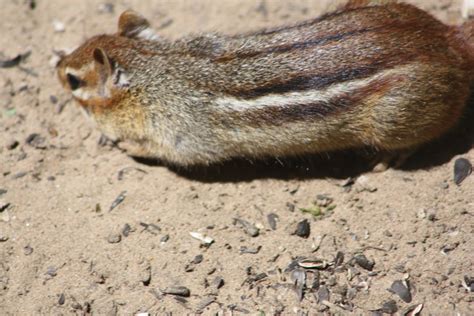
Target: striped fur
[[376, 73]]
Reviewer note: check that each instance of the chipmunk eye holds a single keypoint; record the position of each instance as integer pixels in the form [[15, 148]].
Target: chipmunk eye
[[74, 82]]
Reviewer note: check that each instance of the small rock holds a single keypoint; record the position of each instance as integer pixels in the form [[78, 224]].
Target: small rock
[[58, 26], [468, 283], [126, 230], [248, 228], [37, 141], [401, 289], [164, 238], [114, 238], [206, 240], [363, 262], [145, 275], [252, 251], [177, 290], [303, 229], [291, 207], [53, 99], [61, 299], [3, 237], [27, 250], [198, 259], [272, 220], [218, 282], [3, 191], [12, 144], [51, 271], [363, 184], [462, 169], [3, 205]]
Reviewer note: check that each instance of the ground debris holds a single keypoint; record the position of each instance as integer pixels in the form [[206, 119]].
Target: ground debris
[[462, 169], [303, 229], [177, 290], [248, 228], [118, 200], [401, 289]]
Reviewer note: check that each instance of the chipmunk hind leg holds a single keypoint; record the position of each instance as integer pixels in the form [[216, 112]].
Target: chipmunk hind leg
[[386, 160]]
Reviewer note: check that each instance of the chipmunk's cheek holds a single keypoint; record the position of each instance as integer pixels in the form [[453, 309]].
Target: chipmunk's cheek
[[82, 95]]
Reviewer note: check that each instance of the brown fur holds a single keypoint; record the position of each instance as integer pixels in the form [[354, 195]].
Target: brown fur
[[376, 73]]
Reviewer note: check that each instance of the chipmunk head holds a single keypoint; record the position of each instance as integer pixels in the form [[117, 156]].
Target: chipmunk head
[[97, 72]]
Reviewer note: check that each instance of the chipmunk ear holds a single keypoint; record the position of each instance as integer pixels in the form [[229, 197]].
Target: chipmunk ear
[[107, 68], [134, 25], [103, 63]]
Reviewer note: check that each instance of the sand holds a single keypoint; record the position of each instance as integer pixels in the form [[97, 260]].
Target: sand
[[64, 250]]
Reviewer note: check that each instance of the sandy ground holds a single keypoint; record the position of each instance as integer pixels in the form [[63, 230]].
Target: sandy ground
[[63, 250]]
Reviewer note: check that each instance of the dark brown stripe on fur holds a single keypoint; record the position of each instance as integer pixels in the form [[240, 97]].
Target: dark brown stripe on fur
[[318, 110], [310, 81]]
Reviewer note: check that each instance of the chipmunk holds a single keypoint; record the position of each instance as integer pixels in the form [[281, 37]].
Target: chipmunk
[[386, 75]]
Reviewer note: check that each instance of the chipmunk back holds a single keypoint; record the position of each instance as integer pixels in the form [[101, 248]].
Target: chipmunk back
[[389, 76]]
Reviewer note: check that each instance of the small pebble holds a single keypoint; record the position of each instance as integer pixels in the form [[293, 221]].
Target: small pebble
[[165, 238], [363, 262], [114, 238], [3, 205], [12, 144], [37, 141], [303, 229], [53, 99], [248, 228], [462, 169], [401, 289], [61, 299], [126, 230], [51, 271], [253, 251], [198, 259], [27, 250], [272, 220], [58, 26], [145, 275], [218, 282], [206, 240], [3, 237], [177, 290], [469, 283]]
